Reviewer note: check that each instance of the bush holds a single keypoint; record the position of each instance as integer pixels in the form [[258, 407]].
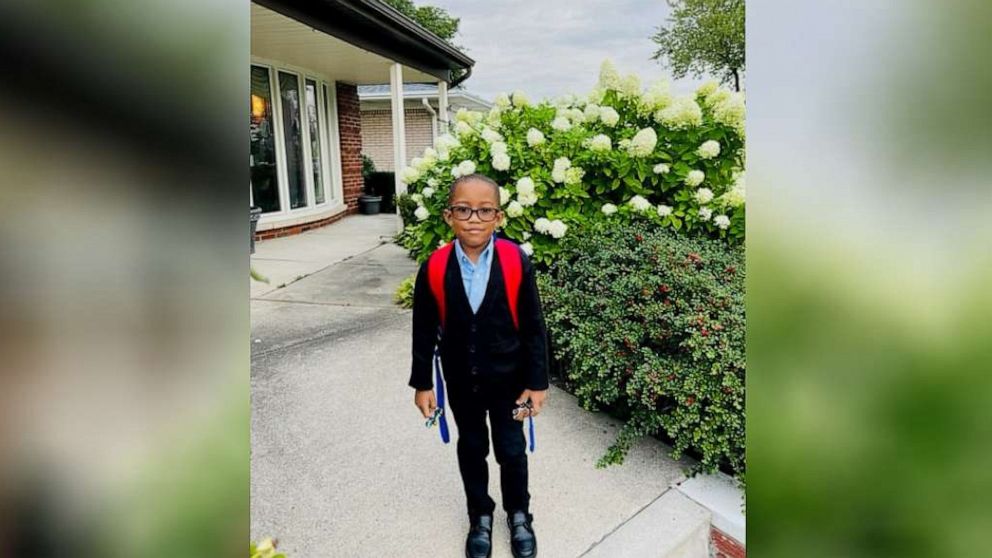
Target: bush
[[650, 325], [404, 293], [562, 163]]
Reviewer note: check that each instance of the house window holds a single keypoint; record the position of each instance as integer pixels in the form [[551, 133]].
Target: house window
[[292, 126], [316, 154], [264, 178]]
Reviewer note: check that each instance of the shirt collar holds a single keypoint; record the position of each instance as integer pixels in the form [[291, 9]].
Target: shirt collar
[[483, 257]]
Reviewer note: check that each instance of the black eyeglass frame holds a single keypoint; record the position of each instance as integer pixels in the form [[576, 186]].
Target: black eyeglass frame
[[474, 211]]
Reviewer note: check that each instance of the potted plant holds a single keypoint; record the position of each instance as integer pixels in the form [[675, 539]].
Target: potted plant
[[368, 202]]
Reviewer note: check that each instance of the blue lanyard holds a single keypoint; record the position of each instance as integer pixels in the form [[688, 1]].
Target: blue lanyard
[[439, 383]]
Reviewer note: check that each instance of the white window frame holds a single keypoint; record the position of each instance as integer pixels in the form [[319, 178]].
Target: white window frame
[[330, 149]]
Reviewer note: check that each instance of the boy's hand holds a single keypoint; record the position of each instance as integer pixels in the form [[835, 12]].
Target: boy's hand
[[424, 400], [536, 399]]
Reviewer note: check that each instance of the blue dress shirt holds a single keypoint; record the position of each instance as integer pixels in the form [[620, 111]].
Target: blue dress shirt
[[475, 276]]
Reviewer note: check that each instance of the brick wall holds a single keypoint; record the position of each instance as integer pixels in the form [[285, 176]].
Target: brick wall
[[377, 135], [722, 546], [350, 130]]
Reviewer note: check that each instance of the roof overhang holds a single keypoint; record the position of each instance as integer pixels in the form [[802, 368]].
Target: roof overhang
[[377, 28]]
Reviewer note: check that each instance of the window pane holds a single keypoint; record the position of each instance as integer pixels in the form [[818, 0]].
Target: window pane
[[330, 135], [315, 153], [264, 179], [289, 90]]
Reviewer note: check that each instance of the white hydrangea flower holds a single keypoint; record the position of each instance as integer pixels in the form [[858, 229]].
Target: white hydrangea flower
[[515, 209], [502, 100], [705, 213], [573, 175], [527, 199], [661, 168], [491, 135], [526, 235], [704, 196], [534, 137], [721, 221], [504, 195], [520, 99], [441, 243], [429, 153], [561, 124], [664, 210], [608, 209], [501, 161], [609, 116], [694, 178], [707, 88], [419, 198], [442, 154], [716, 97], [541, 225], [600, 143], [416, 163], [432, 182], [428, 192], [592, 112], [643, 142], [421, 212], [557, 228], [456, 172], [609, 78], [466, 167], [562, 164], [630, 86], [683, 113], [446, 141], [527, 248], [463, 128], [497, 147], [708, 149], [525, 185], [575, 115], [597, 94], [730, 112], [639, 203], [469, 116], [735, 196], [624, 144], [409, 175], [656, 97], [565, 100]]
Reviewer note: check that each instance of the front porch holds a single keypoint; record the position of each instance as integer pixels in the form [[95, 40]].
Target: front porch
[[307, 59]]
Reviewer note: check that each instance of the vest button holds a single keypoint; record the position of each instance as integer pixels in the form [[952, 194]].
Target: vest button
[[475, 389], [475, 370], [473, 328], [471, 348]]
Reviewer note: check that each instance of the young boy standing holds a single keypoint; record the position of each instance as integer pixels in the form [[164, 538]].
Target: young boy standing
[[492, 362]]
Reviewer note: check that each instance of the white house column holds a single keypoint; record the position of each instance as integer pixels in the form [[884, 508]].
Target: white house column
[[442, 105], [399, 129]]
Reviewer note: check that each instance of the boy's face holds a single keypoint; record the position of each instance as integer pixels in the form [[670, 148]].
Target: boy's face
[[475, 231]]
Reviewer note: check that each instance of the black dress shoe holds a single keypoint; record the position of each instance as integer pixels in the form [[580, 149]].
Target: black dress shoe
[[479, 543], [523, 543]]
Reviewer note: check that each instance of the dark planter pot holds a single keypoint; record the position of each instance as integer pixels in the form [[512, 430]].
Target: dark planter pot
[[369, 205], [254, 213], [382, 184]]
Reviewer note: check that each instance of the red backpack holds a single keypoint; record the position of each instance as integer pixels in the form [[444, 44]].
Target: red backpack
[[512, 265]]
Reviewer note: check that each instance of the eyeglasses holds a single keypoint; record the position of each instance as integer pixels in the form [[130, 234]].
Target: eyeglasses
[[464, 213]]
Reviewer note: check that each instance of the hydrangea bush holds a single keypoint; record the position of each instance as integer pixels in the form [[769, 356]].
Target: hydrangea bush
[[651, 326], [618, 152]]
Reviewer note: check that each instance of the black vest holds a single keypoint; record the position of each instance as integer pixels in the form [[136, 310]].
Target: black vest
[[482, 347]]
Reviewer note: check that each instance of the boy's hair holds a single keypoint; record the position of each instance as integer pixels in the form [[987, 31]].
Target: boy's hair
[[469, 177]]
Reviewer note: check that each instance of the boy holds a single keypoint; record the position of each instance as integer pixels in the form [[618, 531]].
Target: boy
[[489, 364]]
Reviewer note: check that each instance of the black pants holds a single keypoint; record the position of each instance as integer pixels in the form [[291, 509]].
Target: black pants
[[469, 409]]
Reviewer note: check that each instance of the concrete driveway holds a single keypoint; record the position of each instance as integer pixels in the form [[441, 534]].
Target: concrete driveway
[[342, 464]]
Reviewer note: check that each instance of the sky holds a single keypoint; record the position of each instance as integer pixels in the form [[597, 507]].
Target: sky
[[551, 47]]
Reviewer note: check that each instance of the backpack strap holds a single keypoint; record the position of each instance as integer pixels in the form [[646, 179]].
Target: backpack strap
[[436, 266], [512, 266]]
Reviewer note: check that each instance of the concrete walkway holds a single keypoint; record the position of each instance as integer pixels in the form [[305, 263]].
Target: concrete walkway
[[342, 464]]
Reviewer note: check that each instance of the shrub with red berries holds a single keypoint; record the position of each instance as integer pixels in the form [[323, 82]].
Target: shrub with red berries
[[650, 324]]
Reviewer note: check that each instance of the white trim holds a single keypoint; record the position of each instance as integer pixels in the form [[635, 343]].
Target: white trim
[[442, 105], [270, 221]]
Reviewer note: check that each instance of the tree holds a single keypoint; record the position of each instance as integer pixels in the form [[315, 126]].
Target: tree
[[704, 36], [436, 20]]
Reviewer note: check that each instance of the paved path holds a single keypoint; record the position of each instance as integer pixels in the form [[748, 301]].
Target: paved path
[[341, 462]]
